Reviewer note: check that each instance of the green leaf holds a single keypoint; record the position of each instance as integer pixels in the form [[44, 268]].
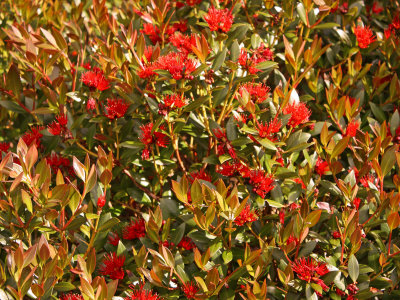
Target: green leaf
[[326, 26], [388, 160], [267, 65], [13, 81], [64, 286], [273, 203], [353, 268], [219, 59], [340, 147], [235, 50], [302, 12], [378, 112]]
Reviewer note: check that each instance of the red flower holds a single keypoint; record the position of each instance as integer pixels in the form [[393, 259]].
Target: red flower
[[262, 183], [351, 129], [190, 289], [224, 144], [33, 136], [177, 64], [340, 292], [91, 104], [139, 293], [71, 296], [135, 230], [186, 243], [203, 175], [58, 162], [112, 266], [356, 202], [193, 2], [116, 108], [299, 113], [321, 167], [268, 130], [219, 19], [299, 181], [336, 234], [292, 239], [149, 138], [282, 217], [101, 201], [310, 270], [377, 8], [171, 102], [95, 79], [364, 36], [113, 239], [182, 42], [152, 31], [245, 216], [258, 92], [258, 55], [58, 126], [4, 147]]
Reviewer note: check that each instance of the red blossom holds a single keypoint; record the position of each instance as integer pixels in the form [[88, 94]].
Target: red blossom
[[282, 217], [149, 137], [139, 293], [135, 230], [116, 108], [268, 130], [186, 243], [321, 167], [224, 145], [299, 113], [219, 19], [193, 2], [377, 8], [262, 183], [257, 56], [101, 201], [112, 266], [190, 289], [356, 202], [336, 234], [4, 147], [71, 296], [364, 36], [90, 105], [352, 128], [113, 239], [182, 42], [95, 79], [258, 92], [152, 31], [310, 270], [171, 102], [292, 239], [246, 216], [299, 181], [33, 136], [202, 174]]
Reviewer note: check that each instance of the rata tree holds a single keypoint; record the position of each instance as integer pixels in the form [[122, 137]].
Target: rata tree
[[199, 150]]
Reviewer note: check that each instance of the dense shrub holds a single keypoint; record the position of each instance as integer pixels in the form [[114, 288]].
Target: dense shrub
[[199, 150]]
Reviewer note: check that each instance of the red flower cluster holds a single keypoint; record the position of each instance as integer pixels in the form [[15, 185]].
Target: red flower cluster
[[364, 36], [135, 230], [112, 266], [33, 136], [57, 162], [171, 102], [268, 130], [139, 293], [351, 129], [245, 216], [292, 239], [95, 79], [113, 239], [116, 108], [219, 19], [231, 168], [262, 183], [257, 56], [310, 270], [321, 167], [299, 181], [183, 42], [190, 289], [336, 234], [356, 203], [258, 92], [149, 137], [186, 243], [4, 147], [177, 64], [202, 174], [393, 29], [224, 145], [154, 31], [58, 126], [299, 113], [71, 296]]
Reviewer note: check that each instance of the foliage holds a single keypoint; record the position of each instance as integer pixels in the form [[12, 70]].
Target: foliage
[[199, 150]]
